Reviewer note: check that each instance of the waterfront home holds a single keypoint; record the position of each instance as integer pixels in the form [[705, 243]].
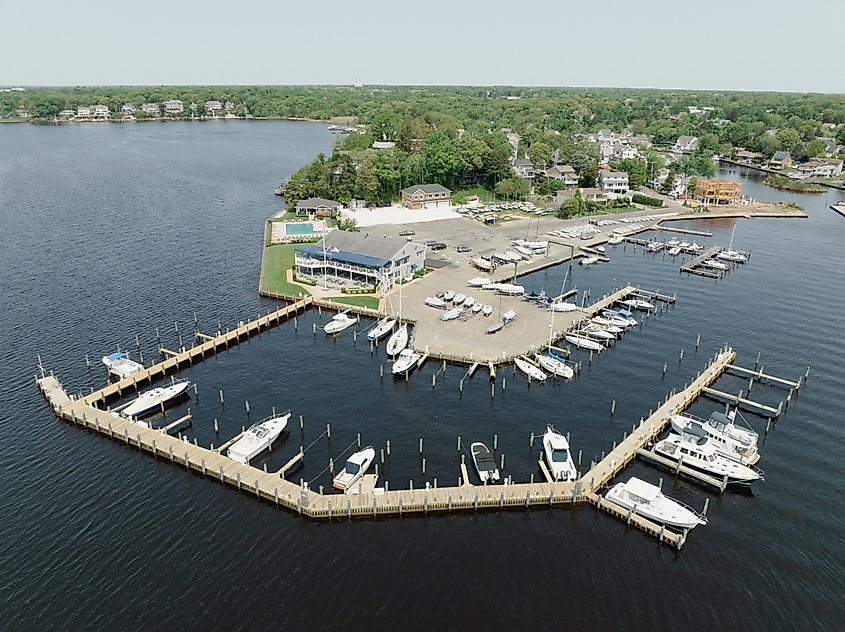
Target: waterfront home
[[67, 114], [685, 144], [127, 108], [830, 147], [360, 259], [101, 112], [22, 113], [780, 159], [718, 191], [213, 106], [383, 144], [150, 108], [748, 157], [562, 173], [230, 107], [426, 196], [821, 167], [524, 168], [613, 182], [591, 194], [83, 111], [318, 207], [173, 106]]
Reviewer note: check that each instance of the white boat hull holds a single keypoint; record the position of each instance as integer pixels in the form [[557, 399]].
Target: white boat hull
[[555, 366], [257, 439], [398, 341], [662, 510], [152, 400], [529, 369]]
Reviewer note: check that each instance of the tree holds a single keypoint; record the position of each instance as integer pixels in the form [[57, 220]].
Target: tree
[[540, 153], [385, 126], [788, 138], [636, 170], [693, 182], [815, 148], [669, 182], [573, 207], [512, 188]]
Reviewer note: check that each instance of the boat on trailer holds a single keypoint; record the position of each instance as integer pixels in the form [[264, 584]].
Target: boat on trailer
[[258, 438], [156, 399], [120, 364], [558, 456], [355, 468], [484, 462], [648, 501]]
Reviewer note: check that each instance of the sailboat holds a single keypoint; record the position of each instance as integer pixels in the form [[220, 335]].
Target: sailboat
[[529, 368], [551, 362], [381, 329], [730, 254], [399, 339]]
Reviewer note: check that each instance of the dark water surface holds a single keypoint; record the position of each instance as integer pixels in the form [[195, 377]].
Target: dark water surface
[[111, 231]]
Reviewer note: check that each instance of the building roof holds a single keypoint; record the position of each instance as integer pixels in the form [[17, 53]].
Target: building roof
[[384, 144], [613, 174], [686, 140], [780, 155], [316, 203], [522, 162], [426, 188], [357, 248]]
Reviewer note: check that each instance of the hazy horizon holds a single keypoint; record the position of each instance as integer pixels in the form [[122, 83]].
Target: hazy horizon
[[780, 46]]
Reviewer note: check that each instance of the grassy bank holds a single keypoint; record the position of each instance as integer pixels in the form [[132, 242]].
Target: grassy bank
[[361, 301], [788, 184], [278, 259]]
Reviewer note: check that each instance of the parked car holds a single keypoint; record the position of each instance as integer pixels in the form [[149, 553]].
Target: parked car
[[439, 245], [407, 233], [463, 249]]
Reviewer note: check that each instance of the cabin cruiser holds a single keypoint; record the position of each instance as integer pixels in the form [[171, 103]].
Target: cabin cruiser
[[695, 247], [589, 260], [355, 468], [713, 264], [257, 438], [120, 364], [156, 399], [700, 454], [674, 251], [484, 462], [673, 242], [339, 322], [398, 340], [381, 329], [597, 332], [437, 303], [655, 246], [406, 362], [452, 314], [648, 501], [555, 365], [558, 456], [729, 439], [529, 369], [637, 303], [732, 255]]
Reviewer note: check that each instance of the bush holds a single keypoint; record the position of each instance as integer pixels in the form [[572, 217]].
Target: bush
[[639, 198]]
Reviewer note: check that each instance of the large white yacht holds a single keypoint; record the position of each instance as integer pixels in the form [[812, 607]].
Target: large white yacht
[[648, 501], [257, 438], [558, 456]]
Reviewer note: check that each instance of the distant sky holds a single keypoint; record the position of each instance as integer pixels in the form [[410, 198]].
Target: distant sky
[[790, 45]]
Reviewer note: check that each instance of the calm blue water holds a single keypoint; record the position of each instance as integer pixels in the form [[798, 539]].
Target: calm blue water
[[304, 228], [112, 231]]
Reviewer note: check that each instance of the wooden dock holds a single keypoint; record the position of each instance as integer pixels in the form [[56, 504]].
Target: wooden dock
[[693, 265], [683, 231], [368, 500], [839, 208]]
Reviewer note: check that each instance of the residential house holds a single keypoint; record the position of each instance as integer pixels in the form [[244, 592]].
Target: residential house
[[318, 207], [613, 182], [213, 106], [718, 191], [101, 112], [83, 111], [821, 167], [524, 168], [780, 159], [127, 108], [360, 258], [685, 144], [150, 108], [173, 106], [67, 114], [230, 107], [830, 147], [591, 194], [562, 173], [22, 113], [426, 196], [748, 157]]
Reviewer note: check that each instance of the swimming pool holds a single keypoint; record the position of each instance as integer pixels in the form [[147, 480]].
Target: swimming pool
[[300, 228]]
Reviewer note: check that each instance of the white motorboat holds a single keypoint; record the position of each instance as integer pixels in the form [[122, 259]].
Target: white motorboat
[[488, 309], [714, 265], [477, 307], [381, 329], [621, 317], [448, 295], [356, 466], [589, 260], [508, 316], [339, 322], [406, 362], [555, 365], [529, 369], [478, 282], [601, 249], [673, 242], [482, 264], [155, 399], [615, 240], [655, 246], [558, 456], [469, 302], [597, 332], [120, 364], [674, 251], [452, 314], [437, 303], [684, 245], [695, 247], [398, 340], [637, 303], [484, 462], [700, 454], [647, 500], [732, 255], [459, 298], [257, 438], [611, 317], [583, 342], [729, 439], [509, 289], [607, 325], [525, 252]]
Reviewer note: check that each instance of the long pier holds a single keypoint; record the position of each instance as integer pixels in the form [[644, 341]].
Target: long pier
[[693, 265], [274, 488]]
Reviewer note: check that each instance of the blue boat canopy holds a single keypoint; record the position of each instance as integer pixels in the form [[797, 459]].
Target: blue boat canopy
[[345, 257], [116, 356]]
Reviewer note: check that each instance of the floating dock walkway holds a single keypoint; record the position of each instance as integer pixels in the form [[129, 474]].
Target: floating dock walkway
[[693, 266]]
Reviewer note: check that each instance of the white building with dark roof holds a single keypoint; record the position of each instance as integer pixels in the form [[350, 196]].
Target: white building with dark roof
[[613, 182], [685, 144], [318, 207], [350, 259]]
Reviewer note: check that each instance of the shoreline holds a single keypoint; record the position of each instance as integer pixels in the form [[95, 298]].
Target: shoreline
[[775, 172]]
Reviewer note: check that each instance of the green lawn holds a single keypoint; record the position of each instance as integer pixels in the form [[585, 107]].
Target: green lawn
[[278, 259], [361, 301]]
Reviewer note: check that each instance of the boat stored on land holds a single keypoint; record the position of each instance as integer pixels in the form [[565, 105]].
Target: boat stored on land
[[509, 289], [558, 456], [448, 295], [339, 322], [477, 307], [120, 364], [508, 316], [478, 282], [356, 466], [648, 501], [258, 438], [482, 263], [561, 306], [484, 462], [156, 399], [437, 303], [459, 298], [452, 314], [488, 309]]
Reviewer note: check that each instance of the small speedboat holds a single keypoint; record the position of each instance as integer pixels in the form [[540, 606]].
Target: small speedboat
[[732, 255], [699, 454], [257, 438], [589, 260], [452, 314], [714, 265], [339, 322], [529, 369], [398, 340], [558, 456], [406, 362], [477, 307], [437, 303], [637, 303], [459, 298], [508, 316], [647, 500], [729, 439], [555, 365], [674, 251], [155, 399], [448, 295], [621, 317], [488, 309], [381, 329], [356, 466], [120, 364], [584, 342], [484, 462], [601, 249], [478, 282]]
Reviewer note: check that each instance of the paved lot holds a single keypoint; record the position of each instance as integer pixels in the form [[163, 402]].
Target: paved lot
[[398, 214]]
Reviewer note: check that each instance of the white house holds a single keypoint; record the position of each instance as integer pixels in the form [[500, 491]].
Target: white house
[[173, 106], [101, 112], [613, 182], [213, 106], [127, 108], [150, 108], [686, 144], [83, 111], [524, 168], [359, 258]]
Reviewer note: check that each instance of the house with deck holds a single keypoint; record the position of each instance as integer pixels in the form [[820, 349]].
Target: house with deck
[[318, 207]]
